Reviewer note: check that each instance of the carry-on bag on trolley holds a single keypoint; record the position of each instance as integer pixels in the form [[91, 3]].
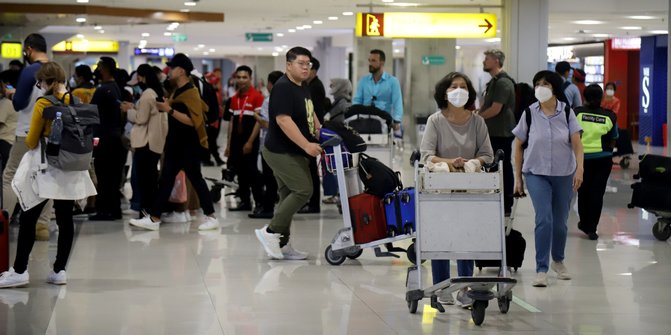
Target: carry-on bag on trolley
[[378, 178], [653, 192], [654, 169], [368, 220], [515, 247], [651, 196], [399, 208]]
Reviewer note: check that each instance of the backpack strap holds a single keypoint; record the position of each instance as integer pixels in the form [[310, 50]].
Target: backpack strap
[[52, 99], [527, 118]]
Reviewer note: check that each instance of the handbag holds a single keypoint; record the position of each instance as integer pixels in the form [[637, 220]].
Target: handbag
[[178, 194]]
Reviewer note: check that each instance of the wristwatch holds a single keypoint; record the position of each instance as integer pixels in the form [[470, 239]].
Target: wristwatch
[[171, 111]]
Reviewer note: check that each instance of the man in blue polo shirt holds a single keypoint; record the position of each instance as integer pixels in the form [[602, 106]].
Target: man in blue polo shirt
[[380, 89]]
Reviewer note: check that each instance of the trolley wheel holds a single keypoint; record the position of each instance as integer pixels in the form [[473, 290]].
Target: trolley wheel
[[391, 232], [661, 230], [408, 229], [215, 193], [412, 306], [504, 302], [478, 311], [355, 255], [624, 162], [331, 258], [412, 256]]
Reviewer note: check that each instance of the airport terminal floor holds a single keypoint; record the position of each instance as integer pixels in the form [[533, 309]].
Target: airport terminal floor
[[181, 281]]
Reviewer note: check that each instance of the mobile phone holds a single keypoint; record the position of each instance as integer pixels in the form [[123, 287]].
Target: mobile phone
[[9, 87]]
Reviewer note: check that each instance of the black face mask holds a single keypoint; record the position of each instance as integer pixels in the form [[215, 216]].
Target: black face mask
[[96, 75], [142, 86]]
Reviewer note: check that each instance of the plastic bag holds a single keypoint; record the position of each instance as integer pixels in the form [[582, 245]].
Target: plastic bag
[[178, 194]]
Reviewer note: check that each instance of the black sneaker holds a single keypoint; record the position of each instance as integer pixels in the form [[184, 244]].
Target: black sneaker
[[242, 207], [260, 215], [309, 210], [593, 236]]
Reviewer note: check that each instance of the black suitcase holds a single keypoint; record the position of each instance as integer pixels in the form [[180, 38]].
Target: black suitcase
[[655, 169], [651, 196], [515, 247]]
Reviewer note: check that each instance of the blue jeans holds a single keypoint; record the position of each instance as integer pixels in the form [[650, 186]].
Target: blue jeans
[[551, 197], [440, 269]]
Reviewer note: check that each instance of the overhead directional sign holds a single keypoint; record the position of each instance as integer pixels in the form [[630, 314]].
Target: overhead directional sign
[[179, 38], [426, 25], [259, 37]]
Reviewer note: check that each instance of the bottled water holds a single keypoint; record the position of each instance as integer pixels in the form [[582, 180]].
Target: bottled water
[[56, 130]]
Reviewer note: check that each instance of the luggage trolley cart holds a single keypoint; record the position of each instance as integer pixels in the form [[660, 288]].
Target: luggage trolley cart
[[460, 216], [377, 134], [343, 245]]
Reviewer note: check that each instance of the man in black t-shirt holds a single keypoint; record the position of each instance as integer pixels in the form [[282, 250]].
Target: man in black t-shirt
[[289, 147]]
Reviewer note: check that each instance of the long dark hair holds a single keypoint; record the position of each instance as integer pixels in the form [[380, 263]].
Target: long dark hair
[[151, 79]]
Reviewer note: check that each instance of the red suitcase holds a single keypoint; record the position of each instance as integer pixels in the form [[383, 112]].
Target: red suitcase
[[4, 241], [368, 218]]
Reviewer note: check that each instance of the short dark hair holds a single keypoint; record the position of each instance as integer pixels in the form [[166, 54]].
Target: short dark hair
[[274, 76], [36, 41], [10, 77], [610, 83], [315, 63], [16, 62], [294, 52], [593, 95], [562, 67], [446, 82], [555, 81], [108, 64], [244, 68], [84, 71], [380, 53]]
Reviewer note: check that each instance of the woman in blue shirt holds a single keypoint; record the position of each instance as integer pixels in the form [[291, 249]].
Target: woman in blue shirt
[[552, 165]]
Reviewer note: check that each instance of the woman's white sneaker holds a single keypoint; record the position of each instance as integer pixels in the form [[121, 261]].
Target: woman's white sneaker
[[209, 223], [145, 223], [12, 279], [175, 217], [541, 280], [561, 270], [60, 278]]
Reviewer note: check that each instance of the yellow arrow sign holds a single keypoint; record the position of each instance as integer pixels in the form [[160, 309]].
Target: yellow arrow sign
[[426, 25]]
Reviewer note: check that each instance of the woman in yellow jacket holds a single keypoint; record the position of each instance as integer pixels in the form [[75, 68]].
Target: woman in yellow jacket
[[62, 186]]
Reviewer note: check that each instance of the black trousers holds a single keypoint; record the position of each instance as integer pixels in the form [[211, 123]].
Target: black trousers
[[315, 200], [249, 178], [174, 161], [146, 165], [5, 147], [212, 134], [270, 188], [590, 193], [109, 162], [505, 144], [26, 239]]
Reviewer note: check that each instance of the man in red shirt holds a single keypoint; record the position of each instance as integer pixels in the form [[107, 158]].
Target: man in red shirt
[[242, 149]]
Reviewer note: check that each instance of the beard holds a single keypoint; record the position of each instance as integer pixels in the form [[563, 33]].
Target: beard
[[373, 69]]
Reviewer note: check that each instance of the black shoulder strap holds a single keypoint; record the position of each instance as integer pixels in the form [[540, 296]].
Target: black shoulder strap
[[527, 118], [565, 85]]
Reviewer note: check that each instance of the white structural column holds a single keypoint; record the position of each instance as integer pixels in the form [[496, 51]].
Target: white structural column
[[525, 37]]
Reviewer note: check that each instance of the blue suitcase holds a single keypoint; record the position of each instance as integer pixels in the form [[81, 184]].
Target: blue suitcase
[[399, 208]]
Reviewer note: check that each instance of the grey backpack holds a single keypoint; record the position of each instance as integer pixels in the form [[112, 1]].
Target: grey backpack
[[75, 151]]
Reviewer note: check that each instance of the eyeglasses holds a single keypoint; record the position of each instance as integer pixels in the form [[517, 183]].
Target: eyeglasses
[[304, 64]]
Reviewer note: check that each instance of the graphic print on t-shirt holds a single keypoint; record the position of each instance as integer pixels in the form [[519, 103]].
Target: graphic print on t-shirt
[[309, 109]]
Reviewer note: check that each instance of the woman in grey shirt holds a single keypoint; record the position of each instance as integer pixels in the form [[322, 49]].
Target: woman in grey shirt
[[549, 154], [458, 137]]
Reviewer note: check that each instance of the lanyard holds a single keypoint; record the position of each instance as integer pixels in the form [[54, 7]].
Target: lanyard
[[242, 109]]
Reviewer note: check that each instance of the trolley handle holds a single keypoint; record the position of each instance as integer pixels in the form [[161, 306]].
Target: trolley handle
[[331, 142], [499, 156]]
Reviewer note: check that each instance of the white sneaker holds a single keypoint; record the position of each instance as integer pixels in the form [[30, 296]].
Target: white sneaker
[[292, 254], [59, 278], [270, 242], [175, 217], [445, 298], [541, 280], [209, 223], [464, 299], [145, 223], [560, 269], [12, 279]]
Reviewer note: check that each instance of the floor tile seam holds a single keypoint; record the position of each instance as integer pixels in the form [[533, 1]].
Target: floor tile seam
[[207, 288]]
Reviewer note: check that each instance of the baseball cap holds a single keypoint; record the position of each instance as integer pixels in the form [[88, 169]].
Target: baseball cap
[[181, 60], [133, 80]]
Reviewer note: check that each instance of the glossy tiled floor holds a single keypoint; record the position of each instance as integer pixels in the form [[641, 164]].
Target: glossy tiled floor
[[180, 281]]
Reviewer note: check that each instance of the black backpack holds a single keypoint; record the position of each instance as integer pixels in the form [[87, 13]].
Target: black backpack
[[524, 95], [350, 137], [209, 94], [378, 178], [76, 146]]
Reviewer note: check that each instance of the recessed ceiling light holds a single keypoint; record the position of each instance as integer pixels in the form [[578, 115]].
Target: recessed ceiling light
[[143, 41], [278, 49], [307, 26], [457, 47], [291, 30], [101, 31], [284, 46], [387, 1], [167, 33], [275, 54], [300, 28], [347, 13], [259, 48], [80, 19], [212, 50], [569, 38], [279, 34], [189, 3], [98, 27], [82, 1], [206, 53], [201, 45], [660, 32], [80, 36], [588, 22], [333, 18], [318, 22], [493, 40], [600, 35], [397, 50], [631, 28], [145, 34], [185, 10], [641, 17]]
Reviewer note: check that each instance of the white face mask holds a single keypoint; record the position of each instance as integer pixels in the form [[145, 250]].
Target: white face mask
[[458, 97], [543, 93], [610, 93]]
